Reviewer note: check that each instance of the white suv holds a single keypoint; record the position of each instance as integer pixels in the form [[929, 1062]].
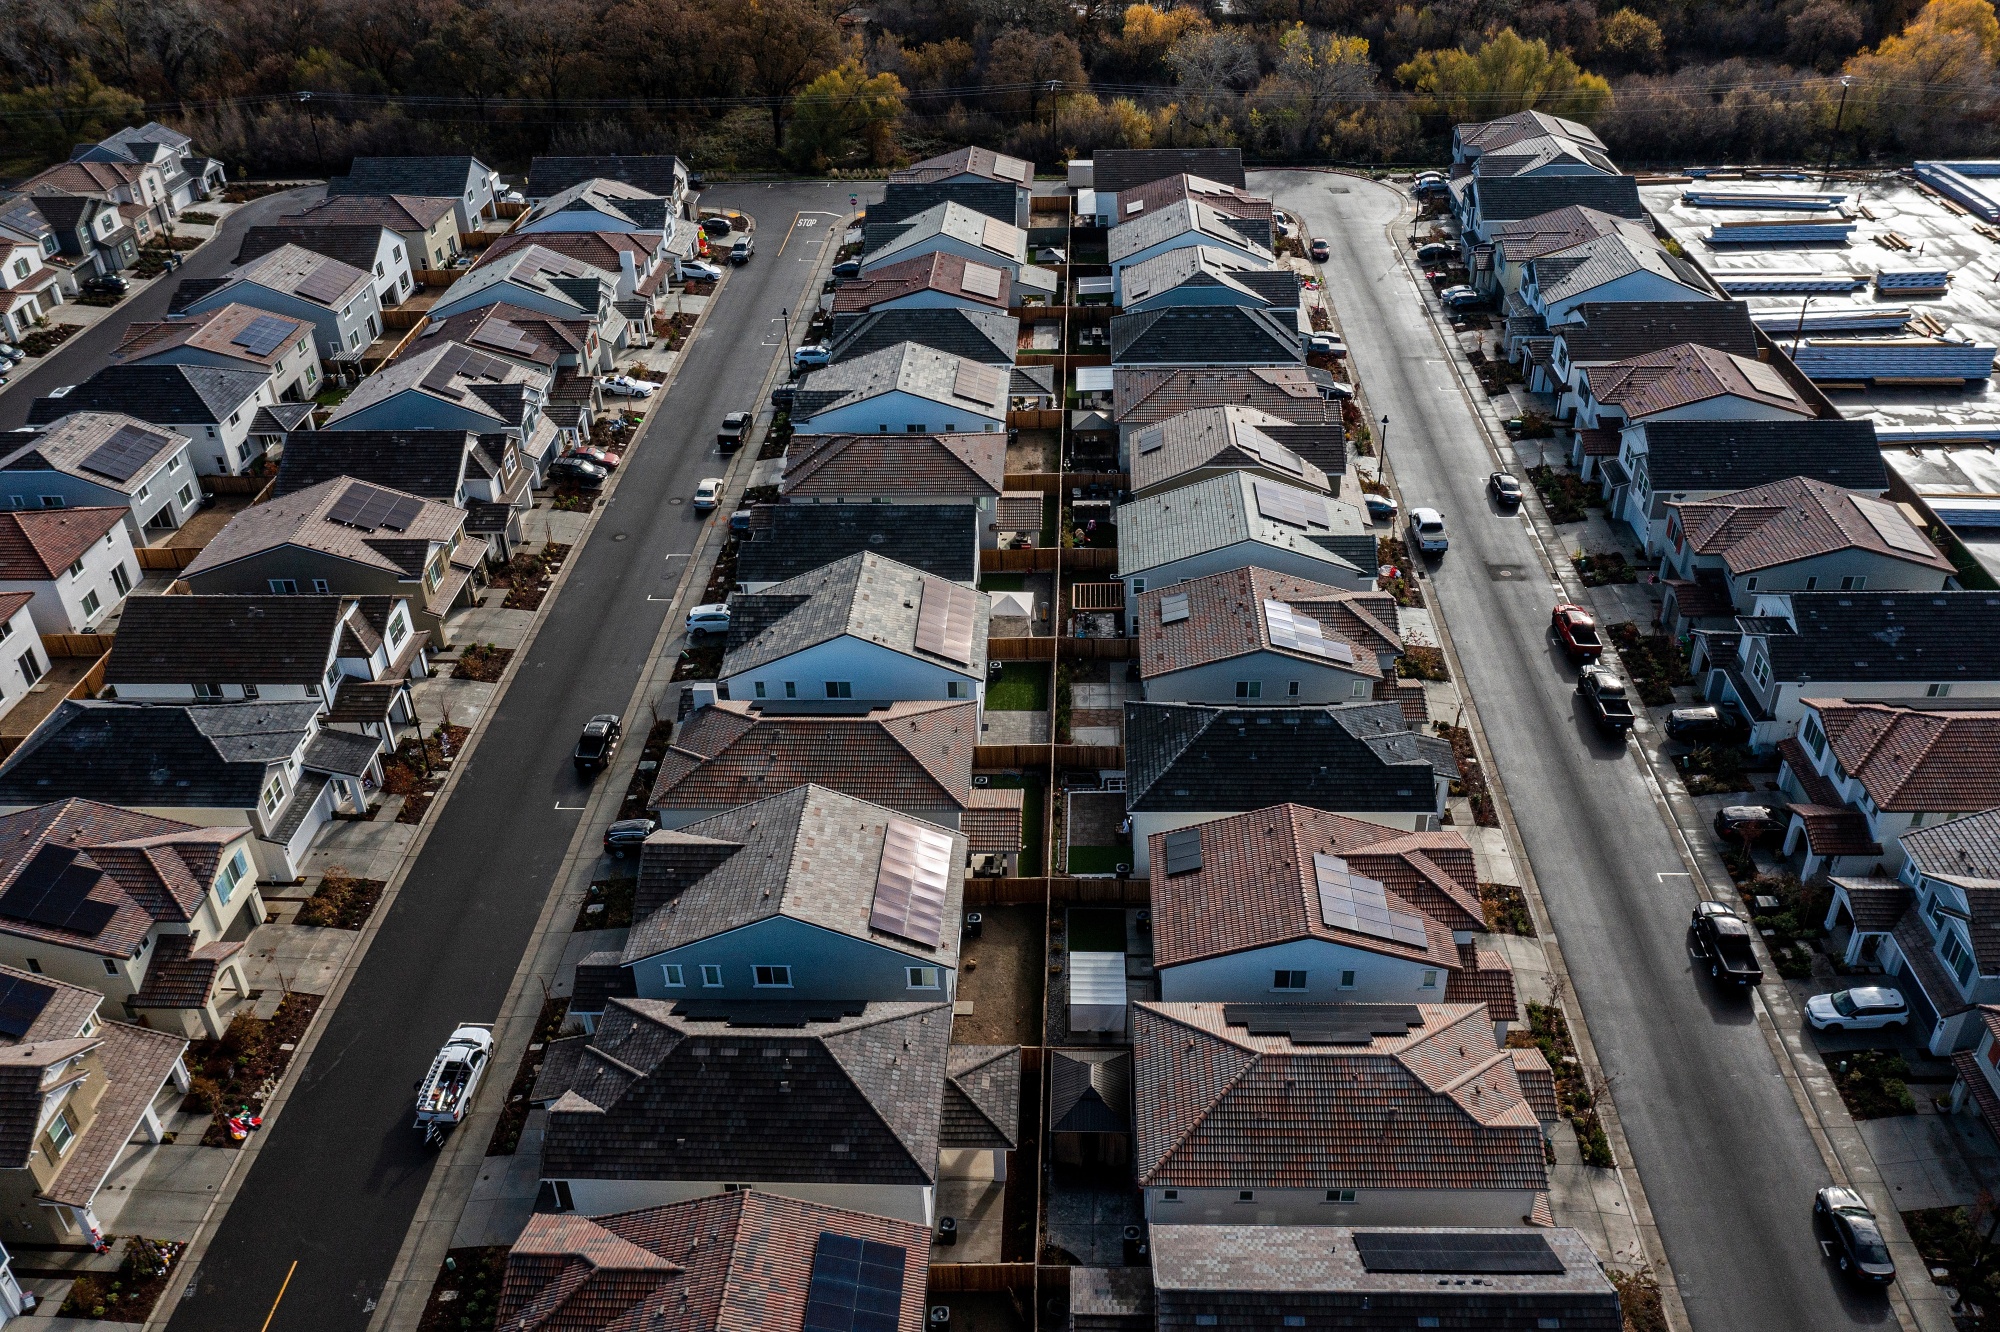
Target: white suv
[[709, 618], [1427, 532]]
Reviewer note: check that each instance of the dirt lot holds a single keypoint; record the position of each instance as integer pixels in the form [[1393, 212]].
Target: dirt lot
[[199, 530], [1000, 976]]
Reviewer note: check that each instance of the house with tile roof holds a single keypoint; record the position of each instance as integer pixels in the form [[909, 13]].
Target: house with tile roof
[[140, 184], [565, 348], [1798, 534], [786, 540], [1118, 169], [31, 283], [348, 538], [1443, 1133], [1237, 520], [1206, 335], [644, 262], [1190, 763], [1182, 225], [537, 278], [1010, 178], [338, 300], [482, 474], [469, 183], [77, 564], [1596, 333], [1203, 275], [23, 659], [749, 1261], [445, 385], [1510, 1280], [370, 247], [1978, 1070], [661, 174], [1687, 382], [165, 906], [90, 233], [1544, 155], [147, 470], [1249, 214], [834, 1103], [939, 280], [1250, 634], [427, 224], [950, 228], [984, 336], [75, 1091], [1210, 441], [599, 205], [861, 629], [1891, 647], [904, 468], [1144, 397], [231, 337], [1473, 139], [215, 408], [905, 388], [1483, 202], [1629, 264], [189, 176]]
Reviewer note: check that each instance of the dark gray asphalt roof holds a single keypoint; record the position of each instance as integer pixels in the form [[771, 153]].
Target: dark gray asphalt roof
[[1615, 330], [1506, 198], [1121, 169], [203, 756], [787, 540], [1864, 636], [355, 246], [900, 199], [438, 177], [986, 336], [1736, 455], [224, 639], [1206, 335], [422, 462], [982, 1097], [161, 394]]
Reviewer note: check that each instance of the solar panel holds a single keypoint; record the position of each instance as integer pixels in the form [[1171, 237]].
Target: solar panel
[[1764, 377], [1349, 901], [1294, 508], [910, 889], [1302, 633], [1324, 1024], [1269, 451], [402, 513], [504, 336], [21, 1002], [54, 890], [983, 384], [122, 455], [1000, 236], [1504, 1253], [1013, 168], [370, 507], [981, 280], [1152, 439], [264, 335], [946, 617], [1890, 524], [1183, 851], [1173, 607], [326, 284], [857, 1285]]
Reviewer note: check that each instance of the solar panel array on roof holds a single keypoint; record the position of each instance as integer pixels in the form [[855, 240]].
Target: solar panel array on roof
[[857, 1285], [504, 337], [1013, 168], [1324, 1024], [1506, 1253], [264, 335], [1173, 607], [910, 889], [54, 890], [1183, 851], [370, 507], [119, 457], [442, 379], [1302, 633], [983, 384], [999, 236], [1890, 524], [1765, 378], [981, 280], [1152, 439], [21, 1002], [1268, 451], [1350, 901], [946, 617], [325, 284], [1294, 508]]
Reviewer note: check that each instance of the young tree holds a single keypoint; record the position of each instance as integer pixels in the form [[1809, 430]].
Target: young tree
[[1506, 74], [1633, 40], [1034, 60], [1318, 72], [841, 108], [782, 45]]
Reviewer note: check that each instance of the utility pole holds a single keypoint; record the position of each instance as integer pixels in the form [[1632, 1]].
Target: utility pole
[[319, 153], [1826, 173], [1054, 101], [1382, 445], [1800, 331]]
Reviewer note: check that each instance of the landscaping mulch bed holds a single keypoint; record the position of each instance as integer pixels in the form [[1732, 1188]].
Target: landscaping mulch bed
[[483, 662], [776, 437], [1567, 496], [571, 500], [1391, 553], [699, 663], [1961, 1241], [1548, 1031], [197, 219], [1795, 925], [243, 1068], [416, 773], [640, 788], [41, 341], [1506, 910], [698, 287], [1422, 663], [129, 1294], [722, 578], [1654, 662], [342, 902], [1873, 1083], [514, 1112], [99, 300], [466, 1294], [528, 575], [1639, 1301], [1714, 769], [608, 905], [1610, 567], [1472, 777]]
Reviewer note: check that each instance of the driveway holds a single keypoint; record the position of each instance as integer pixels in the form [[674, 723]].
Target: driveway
[[1728, 1166], [336, 1184]]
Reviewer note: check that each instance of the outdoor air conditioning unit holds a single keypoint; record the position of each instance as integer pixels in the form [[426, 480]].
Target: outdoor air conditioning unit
[[940, 1315], [982, 781]]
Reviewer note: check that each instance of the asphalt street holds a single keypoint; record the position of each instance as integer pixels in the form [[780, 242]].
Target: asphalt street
[[1728, 1166], [337, 1182]]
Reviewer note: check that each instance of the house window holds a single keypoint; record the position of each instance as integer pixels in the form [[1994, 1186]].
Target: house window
[[186, 497], [1853, 583], [771, 978], [1292, 689], [321, 586], [1288, 980], [120, 579], [1246, 1195], [1170, 1195], [90, 603], [31, 670], [1814, 738], [791, 689], [1938, 691], [1340, 1195], [110, 966], [1750, 585], [399, 628], [56, 502], [33, 965], [76, 569], [1249, 689], [1951, 947], [6, 631], [1812, 584], [332, 674], [235, 416], [232, 874], [62, 1132], [284, 587], [840, 689], [1206, 1320], [208, 693], [1360, 689], [274, 795], [711, 975], [1346, 980], [670, 975], [1295, 1320], [758, 688], [1430, 980], [143, 493]]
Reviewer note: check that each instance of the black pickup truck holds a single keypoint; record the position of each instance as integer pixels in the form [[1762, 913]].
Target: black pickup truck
[[1610, 701], [1719, 939]]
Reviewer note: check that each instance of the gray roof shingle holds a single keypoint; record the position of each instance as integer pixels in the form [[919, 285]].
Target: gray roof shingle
[[1736, 455], [1207, 335], [786, 540], [1865, 636], [863, 595], [214, 639], [437, 177], [1119, 169], [1506, 198], [160, 394], [656, 173], [985, 336], [148, 754], [1615, 330], [429, 463]]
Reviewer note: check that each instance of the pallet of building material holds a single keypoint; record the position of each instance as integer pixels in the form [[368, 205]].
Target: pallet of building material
[[1760, 283], [1782, 203], [1889, 240], [1781, 230], [1938, 360], [1961, 184], [1913, 282]]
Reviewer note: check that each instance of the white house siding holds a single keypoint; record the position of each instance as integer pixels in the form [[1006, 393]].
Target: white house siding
[[1785, 700], [232, 692], [1371, 1207], [1824, 573], [914, 1203], [415, 410], [875, 672], [899, 412], [160, 489], [1274, 674], [392, 270], [18, 639], [824, 965], [1147, 822], [1640, 286], [1245, 977], [58, 607]]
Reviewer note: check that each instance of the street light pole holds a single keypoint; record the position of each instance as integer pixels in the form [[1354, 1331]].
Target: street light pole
[[1826, 173], [1382, 467]]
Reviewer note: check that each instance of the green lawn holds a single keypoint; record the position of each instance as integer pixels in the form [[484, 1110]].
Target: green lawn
[[1034, 833], [1051, 518], [1023, 686], [1098, 860], [1002, 582]]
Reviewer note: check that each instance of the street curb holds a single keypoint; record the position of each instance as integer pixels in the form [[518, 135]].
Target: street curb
[[190, 1265]]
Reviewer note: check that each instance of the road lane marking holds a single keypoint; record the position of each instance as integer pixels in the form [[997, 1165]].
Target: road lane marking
[[281, 1295], [570, 809]]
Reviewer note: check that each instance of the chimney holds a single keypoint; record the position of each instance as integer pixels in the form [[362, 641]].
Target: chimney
[[628, 268], [703, 694]]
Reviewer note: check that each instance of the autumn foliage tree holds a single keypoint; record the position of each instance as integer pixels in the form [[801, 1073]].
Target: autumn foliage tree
[[1506, 74]]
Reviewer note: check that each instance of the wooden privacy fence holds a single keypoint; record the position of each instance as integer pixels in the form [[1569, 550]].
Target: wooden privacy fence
[[397, 316], [169, 558], [1060, 890], [1006, 757], [981, 1278], [1056, 483], [237, 485], [1035, 420], [76, 645], [437, 277], [1042, 559], [1044, 648]]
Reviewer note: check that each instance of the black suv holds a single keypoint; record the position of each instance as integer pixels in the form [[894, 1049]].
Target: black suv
[[598, 743], [627, 835], [1719, 939], [108, 284], [1856, 1243], [1707, 725]]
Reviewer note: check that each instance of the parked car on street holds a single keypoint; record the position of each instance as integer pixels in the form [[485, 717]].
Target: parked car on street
[[1576, 629], [577, 472], [813, 353], [624, 386], [1429, 187], [1505, 488], [627, 835], [1381, 508], [740, 521], [740, 252], [598, 744], [1707, 725], [781, 396], [1609, 698], [1326, 344], [1460, 298], [107, 284], [590, 453], [708, 618], [1319, 250], [700, 270], [709, 493], [1427, 535], [1754, 823], [1436, 252], [1859, 1009], [697, 181], [1851, 1236], [1719, 939], [734, 427]]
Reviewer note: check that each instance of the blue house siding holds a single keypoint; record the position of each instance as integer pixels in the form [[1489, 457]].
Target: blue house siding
[[824, 964]]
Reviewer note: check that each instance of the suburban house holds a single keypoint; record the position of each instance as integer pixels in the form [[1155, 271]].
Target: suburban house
[[786, 540], [1516, 244], [1597, 333], [1473, 139], [427, 225], [896, 469], [1237, 520], [1687, 382], [1248, 214], [1119, 169], [939, 280], [80, 1089], [787, 1099], [914, 758], [231, 337], [104, 460], [90, 232], [77, 563], [1860, 775], [23, 659], [370, 247], [1890, 647], [139, 186], [985, 336], [1210, 441], [348, 538], [968, 166], [354, 656], [30, 286], [446, 386], [949, 228], [481, 474], [1178, 226], [1252, 634], [907, 388], [1795, 535], [764, 1261], [1551, 1278], [1463, 1145], [861, 628], [160, 909], [642, 260], [188, 175], [213, 407], [1203, 275], [1206, 335], [565, 348], [661, 174], [1143, 397], [537, 278], [268, 766], [1617, 267], [337, 299], [1482, 202], [1545, 155], [1189, 763], [471, 185], [601, 205]]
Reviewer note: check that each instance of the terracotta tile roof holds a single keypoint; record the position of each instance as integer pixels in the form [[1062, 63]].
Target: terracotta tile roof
[[1538, 1081], [1685, 374], [1801, 519], [38, 544], [1228, 617], [941, 271], [83, 178], [516, 332], [1599, 443], [992, 820], [1504, 131], [64, 1008], [1876, 904], [11, 604], [1484, 977], [861, 597], [1911, 760], [599, 249], [1702, 599], [136, 1064], [728, 1262], [1257, 886], [178, 976], [1836, 830], [906, 755], [1141, 397], [212, 331], [982, 1097], [969, 162], [838, 466], [1439, 1107], [1090, 1091], [1818, 789]]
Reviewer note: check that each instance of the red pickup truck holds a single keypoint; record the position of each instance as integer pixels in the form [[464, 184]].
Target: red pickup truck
[[1577, 629]]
